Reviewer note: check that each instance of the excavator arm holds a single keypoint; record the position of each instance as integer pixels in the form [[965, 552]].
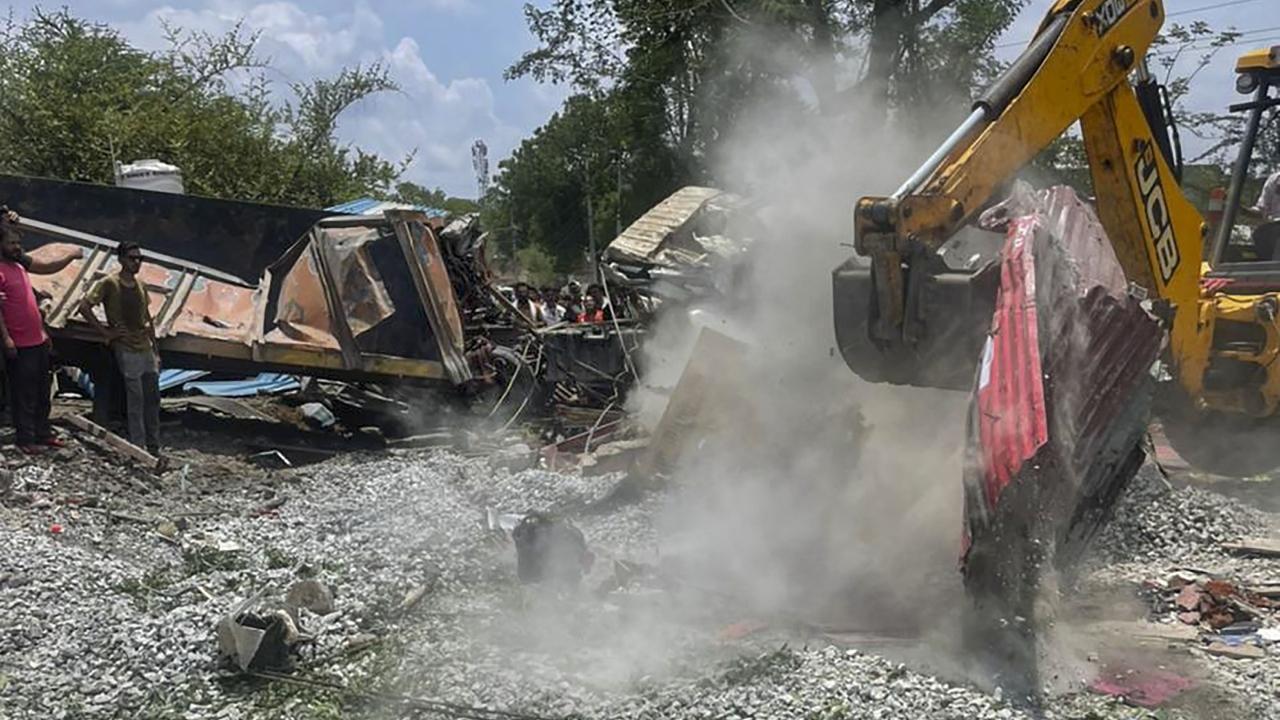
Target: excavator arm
[[1077, 68]]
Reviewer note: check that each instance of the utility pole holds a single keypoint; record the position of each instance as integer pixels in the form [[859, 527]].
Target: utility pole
[[480, 163], [617, 220], [591, 219]]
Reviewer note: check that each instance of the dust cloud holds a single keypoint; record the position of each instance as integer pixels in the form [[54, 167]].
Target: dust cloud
[[823, 497]]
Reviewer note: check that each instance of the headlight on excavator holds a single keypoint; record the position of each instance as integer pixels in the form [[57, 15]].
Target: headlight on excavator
[[1246, 83]]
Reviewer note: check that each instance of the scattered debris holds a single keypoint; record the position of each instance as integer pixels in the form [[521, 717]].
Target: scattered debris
[[550, 549], [1215, 603], [112, 441], [312, 595], [256, 641], [1242, 651], [1262, 547], [692, 245], [413, 597], [317, 415]]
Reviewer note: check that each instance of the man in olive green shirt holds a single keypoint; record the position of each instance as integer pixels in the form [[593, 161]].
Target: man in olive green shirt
[[131, 335]]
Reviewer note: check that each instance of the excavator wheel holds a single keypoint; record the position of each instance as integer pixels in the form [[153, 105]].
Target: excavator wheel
[[1223, 443]]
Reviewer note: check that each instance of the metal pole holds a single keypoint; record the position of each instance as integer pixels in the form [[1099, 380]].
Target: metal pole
[[617, 219], [1238, 176], [591, 219], [976, 118]]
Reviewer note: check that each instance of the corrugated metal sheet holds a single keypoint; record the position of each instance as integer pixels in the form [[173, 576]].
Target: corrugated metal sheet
[[1057, 417], [650, 237], [1012, 422], [1064, 388], [373, 206], [261, 384], [169, 379]]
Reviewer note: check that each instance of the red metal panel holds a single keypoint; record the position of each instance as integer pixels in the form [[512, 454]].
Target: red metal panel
[[1011, 410]]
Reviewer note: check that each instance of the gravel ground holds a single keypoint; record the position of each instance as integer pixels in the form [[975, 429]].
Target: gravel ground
[[108, 619]]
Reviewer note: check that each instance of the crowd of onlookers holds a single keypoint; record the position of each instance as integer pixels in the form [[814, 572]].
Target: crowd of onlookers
[[568, 304]]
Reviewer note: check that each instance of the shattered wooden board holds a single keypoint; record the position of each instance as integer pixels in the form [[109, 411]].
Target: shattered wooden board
[[703, 400], [1264, 547]]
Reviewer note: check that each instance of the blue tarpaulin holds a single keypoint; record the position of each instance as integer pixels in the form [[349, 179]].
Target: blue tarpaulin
[[262, 384], [169, 379], [189, 381]]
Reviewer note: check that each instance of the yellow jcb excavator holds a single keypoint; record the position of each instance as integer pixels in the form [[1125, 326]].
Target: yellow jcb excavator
[[1091, 315], [907, 317]]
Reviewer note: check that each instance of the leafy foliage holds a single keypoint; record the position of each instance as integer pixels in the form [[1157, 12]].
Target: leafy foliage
[[408, 192], [596, 159], [77, 96], [663, 84]]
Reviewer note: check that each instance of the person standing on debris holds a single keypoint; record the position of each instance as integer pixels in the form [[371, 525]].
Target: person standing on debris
[[26, 344], [131, 335]]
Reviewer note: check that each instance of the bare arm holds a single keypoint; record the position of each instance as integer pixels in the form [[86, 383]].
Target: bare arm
[[10, 349], [49, 267], [86, 313], [90, 301]]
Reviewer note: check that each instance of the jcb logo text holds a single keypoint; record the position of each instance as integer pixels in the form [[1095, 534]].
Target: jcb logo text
[[1157, 211], [1108, 14]]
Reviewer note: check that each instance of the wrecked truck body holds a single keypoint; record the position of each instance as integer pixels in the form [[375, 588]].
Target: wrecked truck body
[[356, 297], [689, 247]]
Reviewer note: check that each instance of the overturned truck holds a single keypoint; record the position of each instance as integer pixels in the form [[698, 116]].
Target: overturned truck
[[376, 297], [360, 297]]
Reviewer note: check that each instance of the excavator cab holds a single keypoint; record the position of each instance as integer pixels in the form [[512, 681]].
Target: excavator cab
[[1225, 415], [1247, 241]]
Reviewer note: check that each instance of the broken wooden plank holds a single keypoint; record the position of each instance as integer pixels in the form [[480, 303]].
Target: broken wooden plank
[[230, 407], [1264, 547], [413, 597], [1144, 630], [119, 515], [113, 441], [1270, 590], [1239, 652]]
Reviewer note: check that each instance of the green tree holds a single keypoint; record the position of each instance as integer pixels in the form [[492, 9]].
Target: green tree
[[75, 96], [413, 193], [536, 266], [664, 84], [582, 173]]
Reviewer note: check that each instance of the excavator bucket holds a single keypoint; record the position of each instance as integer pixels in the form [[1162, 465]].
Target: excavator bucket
[[948, 314], [1058, 414]]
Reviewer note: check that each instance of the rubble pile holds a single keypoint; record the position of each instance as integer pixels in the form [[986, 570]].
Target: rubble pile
[[1212, 603], [1154, 524], [115, 616]]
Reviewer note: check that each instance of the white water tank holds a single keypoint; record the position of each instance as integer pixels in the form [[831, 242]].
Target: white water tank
[[150, 175]]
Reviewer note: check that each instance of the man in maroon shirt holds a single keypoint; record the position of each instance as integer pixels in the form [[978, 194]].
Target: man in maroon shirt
[[25, 343]]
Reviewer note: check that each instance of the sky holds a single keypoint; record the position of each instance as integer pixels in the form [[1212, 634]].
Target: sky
[[1213, 89], [449, 56]]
